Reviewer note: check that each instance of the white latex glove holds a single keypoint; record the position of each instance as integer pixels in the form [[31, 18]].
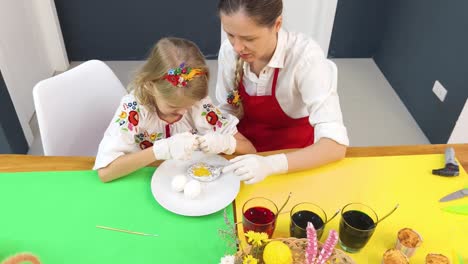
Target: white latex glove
[[253, 168], [179, 147], [215, 143]]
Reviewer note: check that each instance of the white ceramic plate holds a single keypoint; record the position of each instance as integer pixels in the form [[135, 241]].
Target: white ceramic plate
[[214, 196]]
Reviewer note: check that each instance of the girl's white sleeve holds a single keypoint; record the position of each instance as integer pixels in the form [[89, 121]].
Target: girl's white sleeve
[[208, 118], [119, 138]]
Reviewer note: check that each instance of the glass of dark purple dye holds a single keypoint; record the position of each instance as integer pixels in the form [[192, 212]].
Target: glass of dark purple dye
[[303, 213], [357, 224]]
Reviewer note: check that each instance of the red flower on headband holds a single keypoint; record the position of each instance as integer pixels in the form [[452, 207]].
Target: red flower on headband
[[174, 79], [181, 75]]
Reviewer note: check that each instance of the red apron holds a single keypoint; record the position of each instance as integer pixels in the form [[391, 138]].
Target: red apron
[[268, 127]]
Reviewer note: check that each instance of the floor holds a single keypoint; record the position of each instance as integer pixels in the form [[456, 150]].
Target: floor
[[373, 113]]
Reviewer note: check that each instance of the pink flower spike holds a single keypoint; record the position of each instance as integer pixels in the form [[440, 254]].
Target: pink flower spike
[[312, 245], [328, 247]]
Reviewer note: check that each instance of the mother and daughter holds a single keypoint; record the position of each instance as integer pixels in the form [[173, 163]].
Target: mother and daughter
[[277, 91]]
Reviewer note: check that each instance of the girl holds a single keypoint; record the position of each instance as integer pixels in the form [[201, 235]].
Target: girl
[[167, 115], [283, 89]]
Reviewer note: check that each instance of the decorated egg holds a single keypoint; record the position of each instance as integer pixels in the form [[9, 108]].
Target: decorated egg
[[192, 189], [178, 182]]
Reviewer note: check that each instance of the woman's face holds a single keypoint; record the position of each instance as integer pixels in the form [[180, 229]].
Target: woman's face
[[251, 41]]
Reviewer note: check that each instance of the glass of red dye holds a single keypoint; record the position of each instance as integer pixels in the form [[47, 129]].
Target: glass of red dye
[[259, 215]]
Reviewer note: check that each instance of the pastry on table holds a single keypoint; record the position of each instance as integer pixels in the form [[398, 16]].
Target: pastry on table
[[394, 256], [409, 238], [437, 259], [408, 241]]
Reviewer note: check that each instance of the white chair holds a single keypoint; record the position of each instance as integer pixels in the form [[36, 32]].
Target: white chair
[[74, 108]]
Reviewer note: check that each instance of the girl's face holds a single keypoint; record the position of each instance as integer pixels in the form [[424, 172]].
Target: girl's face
[[251, 41], [171, 112]]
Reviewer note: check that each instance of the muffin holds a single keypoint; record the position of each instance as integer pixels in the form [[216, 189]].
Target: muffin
[[394, 256], [437, 259], [408, 240]]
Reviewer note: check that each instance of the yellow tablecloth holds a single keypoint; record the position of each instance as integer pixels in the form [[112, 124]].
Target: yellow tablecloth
[[380, 182]]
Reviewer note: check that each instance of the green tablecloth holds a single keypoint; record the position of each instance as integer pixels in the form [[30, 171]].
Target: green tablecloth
[[54, 215]]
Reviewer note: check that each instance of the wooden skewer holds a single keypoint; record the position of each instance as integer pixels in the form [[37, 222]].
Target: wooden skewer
[[126, 231], [282, 207]]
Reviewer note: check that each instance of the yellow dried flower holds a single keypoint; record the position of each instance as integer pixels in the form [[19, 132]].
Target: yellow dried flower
[[256, 239], [249, 259]]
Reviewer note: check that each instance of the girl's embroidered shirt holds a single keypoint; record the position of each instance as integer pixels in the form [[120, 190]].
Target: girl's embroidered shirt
[[134, 127]]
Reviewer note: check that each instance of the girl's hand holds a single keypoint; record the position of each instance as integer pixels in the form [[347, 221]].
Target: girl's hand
[[253, 168], [179, 147], [215, 143]]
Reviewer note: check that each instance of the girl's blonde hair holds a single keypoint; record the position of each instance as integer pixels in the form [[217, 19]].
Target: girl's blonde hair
[[170, 53]]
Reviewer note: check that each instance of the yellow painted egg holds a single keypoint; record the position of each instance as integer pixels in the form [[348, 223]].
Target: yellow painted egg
[[276, 252]]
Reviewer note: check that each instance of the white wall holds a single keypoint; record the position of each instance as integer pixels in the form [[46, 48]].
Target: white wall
[[52, 34], [460, 131], [314, 18], [30, 50]]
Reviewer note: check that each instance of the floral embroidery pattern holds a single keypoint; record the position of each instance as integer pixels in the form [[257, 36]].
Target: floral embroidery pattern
[[129, 118], [146, 140], [213, 116], [194, 131], [233, 97]]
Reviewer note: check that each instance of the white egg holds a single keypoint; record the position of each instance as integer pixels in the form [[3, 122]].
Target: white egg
[[192, 189], [178, 182]]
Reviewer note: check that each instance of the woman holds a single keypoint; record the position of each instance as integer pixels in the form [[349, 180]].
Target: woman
[[282, 88]]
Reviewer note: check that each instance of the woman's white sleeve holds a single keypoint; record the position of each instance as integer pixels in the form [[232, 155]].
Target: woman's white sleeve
[[317, 82]]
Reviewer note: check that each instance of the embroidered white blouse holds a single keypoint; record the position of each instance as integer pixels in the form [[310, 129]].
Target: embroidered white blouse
[[134, 127], [306, 84]]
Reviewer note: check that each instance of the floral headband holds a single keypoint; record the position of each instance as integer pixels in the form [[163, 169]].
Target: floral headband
[[181, 75]]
